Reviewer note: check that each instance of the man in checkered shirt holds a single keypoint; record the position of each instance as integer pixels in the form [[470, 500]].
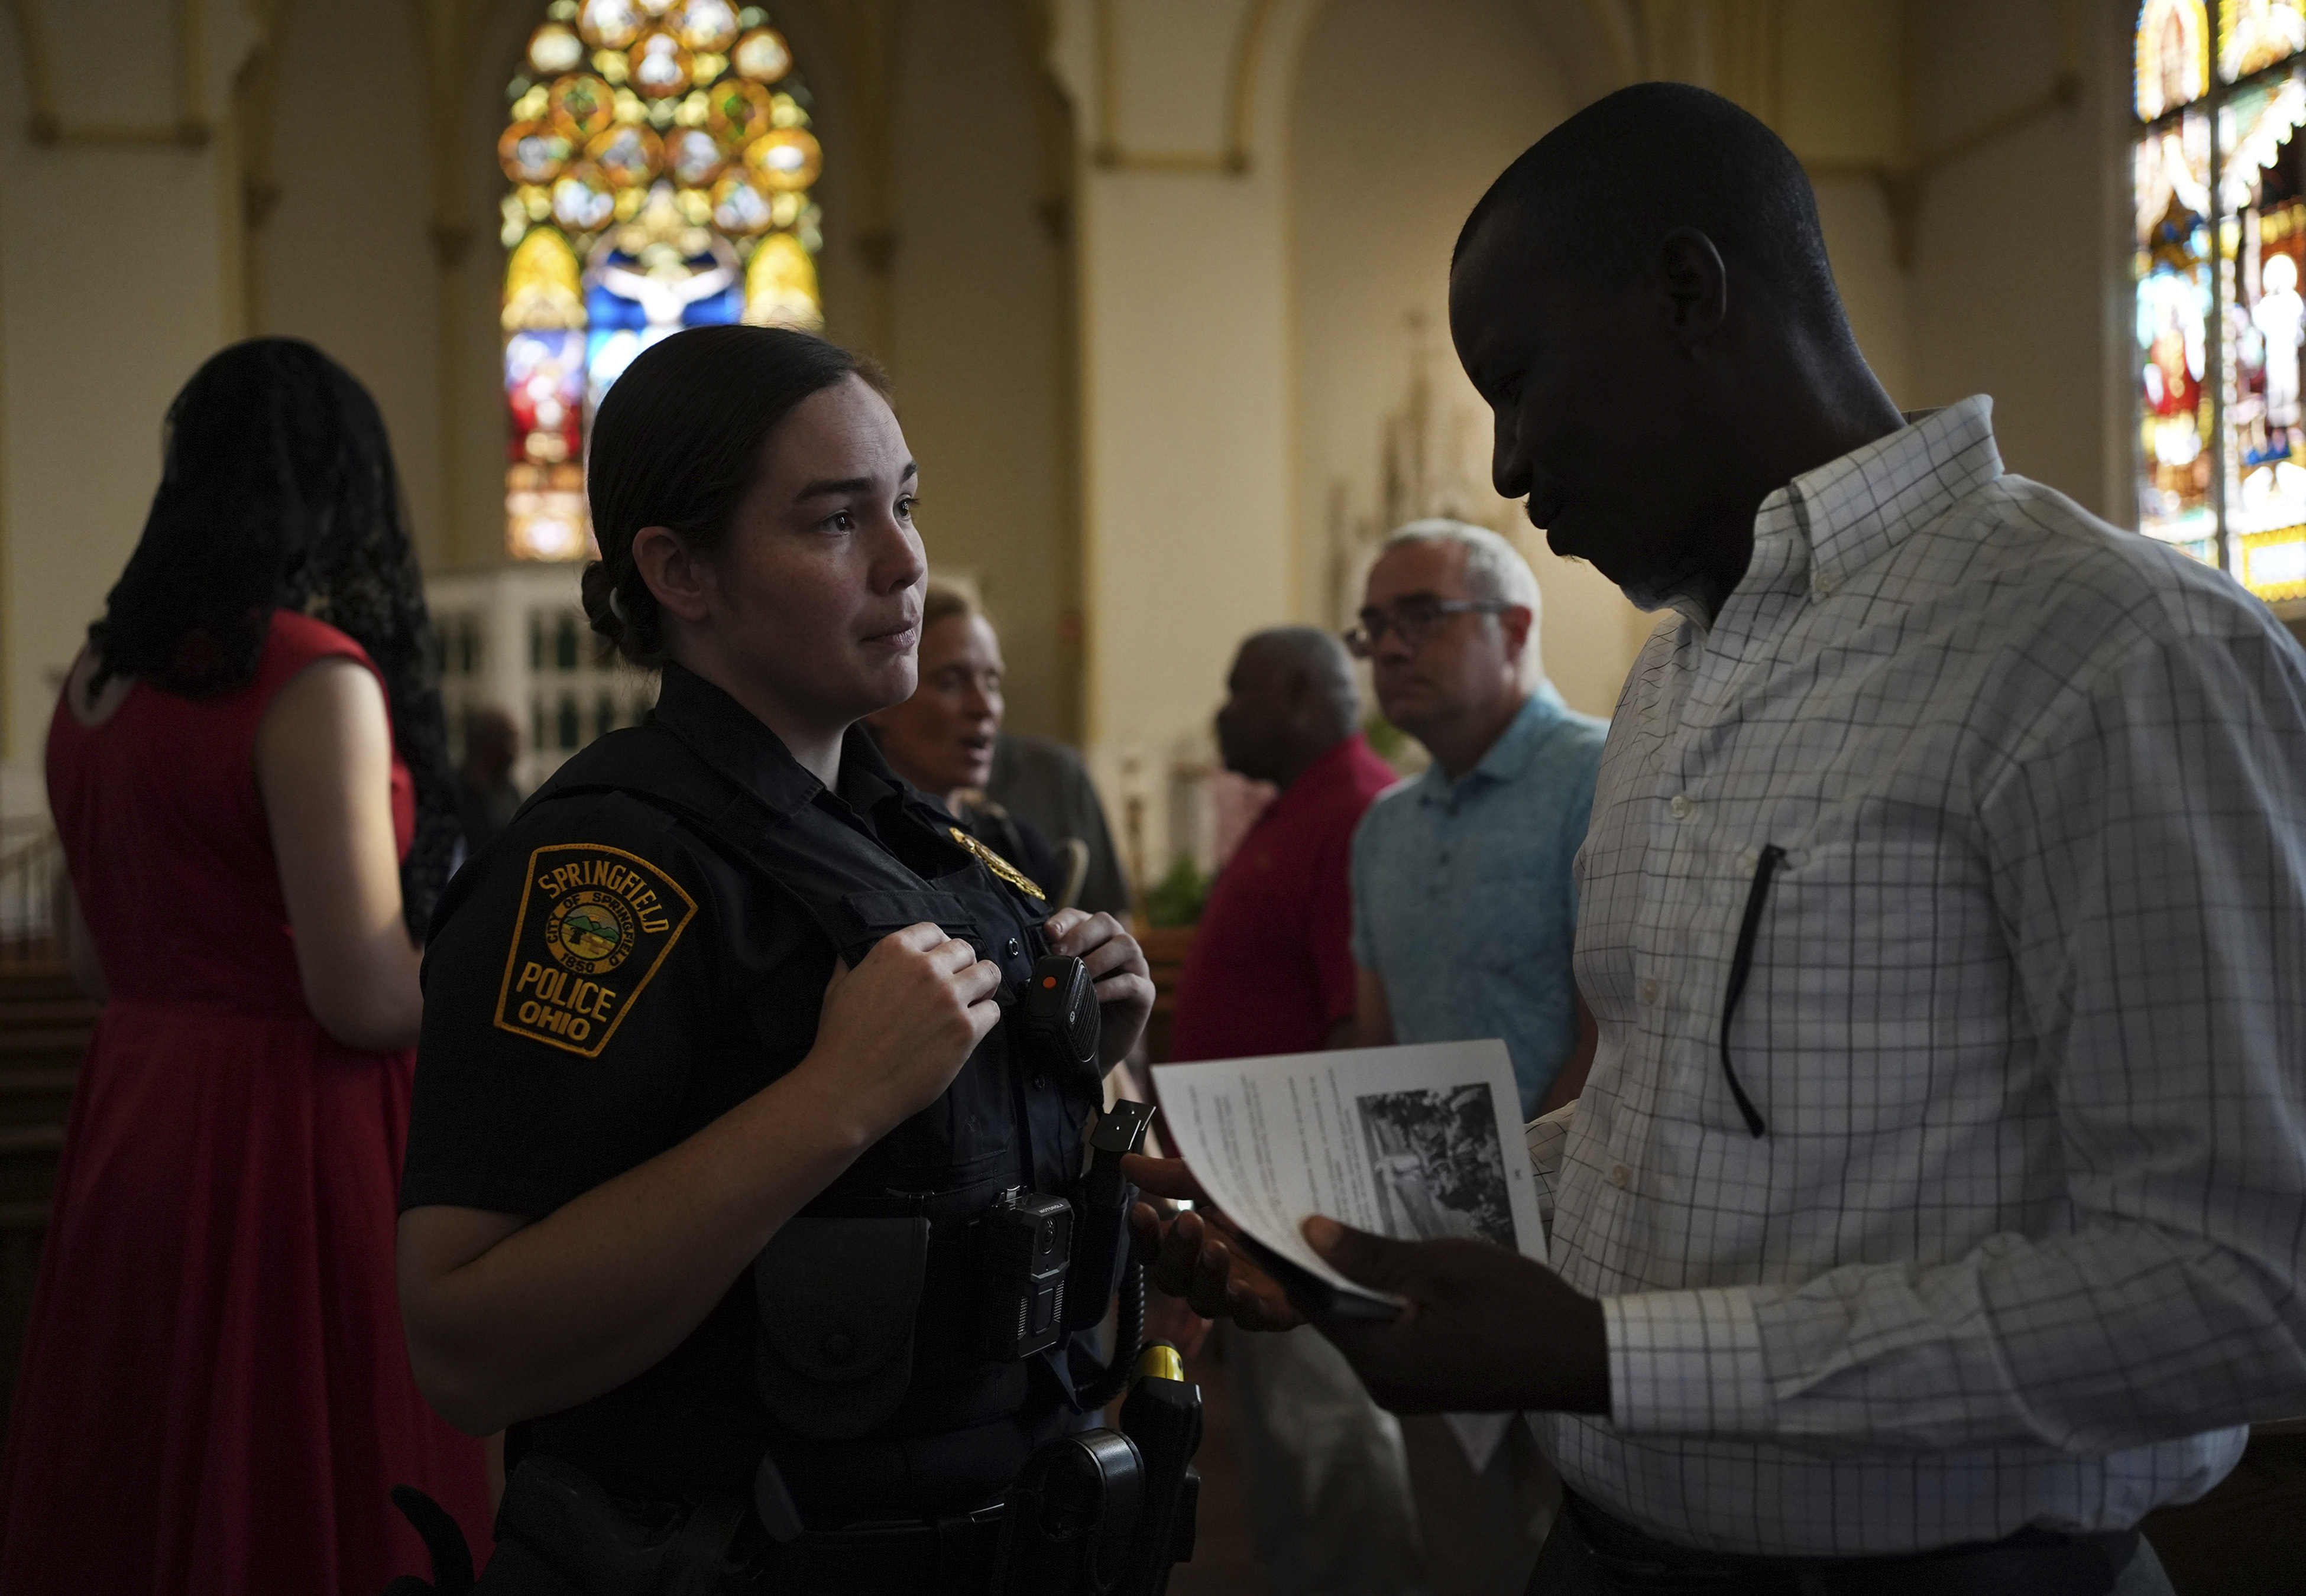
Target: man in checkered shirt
[[1935, 1206]]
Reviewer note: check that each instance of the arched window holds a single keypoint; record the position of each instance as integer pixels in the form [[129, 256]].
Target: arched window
[[660, 163], [2220, 188]]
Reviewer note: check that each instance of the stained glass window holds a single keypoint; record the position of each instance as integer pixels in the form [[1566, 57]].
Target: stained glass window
[[660, 165], [2256, 34], [2174, 55], [2220, 188]]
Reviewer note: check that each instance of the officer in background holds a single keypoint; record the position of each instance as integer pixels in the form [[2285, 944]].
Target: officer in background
[[1042, 781], [941, 739], [715, 1092]]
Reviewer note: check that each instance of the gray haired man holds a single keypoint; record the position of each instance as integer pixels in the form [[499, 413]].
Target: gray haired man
[[1463, 919]]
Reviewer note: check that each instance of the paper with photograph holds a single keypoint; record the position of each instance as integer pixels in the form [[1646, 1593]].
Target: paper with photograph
[[1417, 1143]]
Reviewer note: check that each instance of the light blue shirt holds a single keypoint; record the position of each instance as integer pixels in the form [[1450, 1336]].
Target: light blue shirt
[[1464, 903]]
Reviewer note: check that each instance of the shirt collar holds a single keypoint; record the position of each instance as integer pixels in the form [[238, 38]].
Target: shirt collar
[[727, 736], [1827, 523], [1849, 511], [1330, 769], [1507, 757]]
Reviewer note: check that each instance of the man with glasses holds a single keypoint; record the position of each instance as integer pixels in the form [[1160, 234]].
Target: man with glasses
[[1463, 911], [1464, 917]]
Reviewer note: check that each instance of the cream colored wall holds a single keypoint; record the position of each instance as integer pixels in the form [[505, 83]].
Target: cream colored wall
[[977, 336], [1186, 380], [1966, 155], [1179, 318], [343, 258], [1375, 206], [118, 275], [1831, 106], [2019, 280]]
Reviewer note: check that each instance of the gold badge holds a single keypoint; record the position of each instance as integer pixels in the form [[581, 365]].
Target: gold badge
[[587, 912], [999, 866]]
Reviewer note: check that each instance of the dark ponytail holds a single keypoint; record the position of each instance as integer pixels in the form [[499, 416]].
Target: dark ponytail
[[676, 443]]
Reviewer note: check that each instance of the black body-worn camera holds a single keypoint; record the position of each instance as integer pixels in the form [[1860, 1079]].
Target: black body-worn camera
[[1038, 1255], [1025, 1248]]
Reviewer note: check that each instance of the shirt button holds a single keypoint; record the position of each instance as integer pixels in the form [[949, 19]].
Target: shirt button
[[1016, 949], [1619, 1174], [1825, 581], [1649, 992], [1679, 806]]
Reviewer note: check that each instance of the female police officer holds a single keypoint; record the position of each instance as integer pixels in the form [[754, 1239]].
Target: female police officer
[[714, 1088]]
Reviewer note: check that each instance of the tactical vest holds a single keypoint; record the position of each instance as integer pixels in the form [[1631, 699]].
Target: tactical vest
[[869, 1332]]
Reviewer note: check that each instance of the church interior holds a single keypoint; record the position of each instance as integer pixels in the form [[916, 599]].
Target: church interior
[[1159, 284]]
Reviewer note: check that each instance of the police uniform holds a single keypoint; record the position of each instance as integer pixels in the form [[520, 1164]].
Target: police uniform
[[647, 947]]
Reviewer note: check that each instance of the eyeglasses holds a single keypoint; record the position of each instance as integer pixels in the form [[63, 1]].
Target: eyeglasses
[[1417, 618]]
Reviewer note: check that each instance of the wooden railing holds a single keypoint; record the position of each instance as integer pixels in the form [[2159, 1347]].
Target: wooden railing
[[32, 888]]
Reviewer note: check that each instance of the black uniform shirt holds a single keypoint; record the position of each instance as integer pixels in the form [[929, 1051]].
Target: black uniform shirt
[[604, 981]]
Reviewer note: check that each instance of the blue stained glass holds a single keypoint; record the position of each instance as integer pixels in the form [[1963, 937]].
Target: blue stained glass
[[630, 307], [623, 233]]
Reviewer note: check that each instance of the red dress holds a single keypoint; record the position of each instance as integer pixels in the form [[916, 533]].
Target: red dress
[[216, 1394]]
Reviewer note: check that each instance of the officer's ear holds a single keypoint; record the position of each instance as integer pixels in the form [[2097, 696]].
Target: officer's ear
[[681, 579]]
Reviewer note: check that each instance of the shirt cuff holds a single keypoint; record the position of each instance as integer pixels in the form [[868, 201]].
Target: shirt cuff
[[1687, 1362]]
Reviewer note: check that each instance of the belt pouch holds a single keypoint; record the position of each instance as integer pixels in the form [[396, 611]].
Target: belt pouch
[[838, 1299]]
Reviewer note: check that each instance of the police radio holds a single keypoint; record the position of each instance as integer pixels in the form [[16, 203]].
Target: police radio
[[1058, 1022]]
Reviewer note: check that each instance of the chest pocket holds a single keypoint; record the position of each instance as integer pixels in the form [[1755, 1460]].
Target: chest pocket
[[970, 1132], [1896, 934], [864, 919], [838, 1301]]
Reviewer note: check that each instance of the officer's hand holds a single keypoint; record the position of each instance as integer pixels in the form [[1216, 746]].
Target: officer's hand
[[1124, 981], [897, 1028], [1485, 1329], [1187, 1256]]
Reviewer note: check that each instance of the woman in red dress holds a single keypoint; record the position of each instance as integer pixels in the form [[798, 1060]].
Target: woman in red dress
[[249, 775]]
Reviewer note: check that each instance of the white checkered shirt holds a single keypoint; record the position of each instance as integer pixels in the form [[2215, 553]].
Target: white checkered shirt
[[2025, 1023]]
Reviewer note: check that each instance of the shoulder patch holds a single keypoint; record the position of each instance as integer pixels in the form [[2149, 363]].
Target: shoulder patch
[[999, 866], [595, 925]]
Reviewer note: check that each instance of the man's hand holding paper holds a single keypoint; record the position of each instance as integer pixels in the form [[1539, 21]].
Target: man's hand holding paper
[[1483, 1330], [1422, 1142]]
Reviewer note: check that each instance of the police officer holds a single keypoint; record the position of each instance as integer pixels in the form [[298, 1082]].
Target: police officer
[[714, 1090]]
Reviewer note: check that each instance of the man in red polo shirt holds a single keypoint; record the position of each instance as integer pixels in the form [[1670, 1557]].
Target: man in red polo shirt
[[1272, 971], [1271, 968]]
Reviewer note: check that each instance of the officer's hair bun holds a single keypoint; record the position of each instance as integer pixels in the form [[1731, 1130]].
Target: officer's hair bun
[[624, 612], [678, 442]]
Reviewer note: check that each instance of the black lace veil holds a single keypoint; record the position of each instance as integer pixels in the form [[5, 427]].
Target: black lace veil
[[277, 491]]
